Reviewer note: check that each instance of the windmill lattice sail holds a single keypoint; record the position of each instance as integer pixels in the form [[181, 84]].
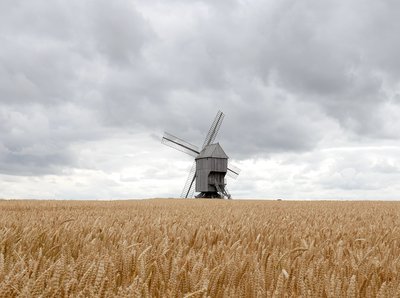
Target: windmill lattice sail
[[214, 129], [179, 144], [188, 189], [233, 171], [207, 175]]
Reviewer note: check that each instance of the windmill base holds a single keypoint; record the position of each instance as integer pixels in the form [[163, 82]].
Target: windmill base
[[209, 195], [213, 195]]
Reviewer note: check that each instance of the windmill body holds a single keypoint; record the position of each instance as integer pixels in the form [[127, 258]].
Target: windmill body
[[210, 166]]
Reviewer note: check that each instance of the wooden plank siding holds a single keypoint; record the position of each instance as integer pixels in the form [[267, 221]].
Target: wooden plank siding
[[208, 171]]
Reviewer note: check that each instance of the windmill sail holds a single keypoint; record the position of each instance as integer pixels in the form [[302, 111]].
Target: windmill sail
[[212, 133], [188, 189], [233, 171], [179, 144]]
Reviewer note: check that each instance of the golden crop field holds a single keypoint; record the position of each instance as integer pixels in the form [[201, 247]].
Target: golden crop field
[[199, 248]]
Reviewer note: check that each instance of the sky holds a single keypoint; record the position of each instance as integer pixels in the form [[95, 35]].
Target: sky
[[310, 90]]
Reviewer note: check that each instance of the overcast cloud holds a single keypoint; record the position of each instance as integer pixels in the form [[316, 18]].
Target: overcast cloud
[[310, 89]]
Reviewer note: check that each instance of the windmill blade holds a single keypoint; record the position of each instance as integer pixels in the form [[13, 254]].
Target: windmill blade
[[179, 144], [188, 189], [212, 133], [233, 171]]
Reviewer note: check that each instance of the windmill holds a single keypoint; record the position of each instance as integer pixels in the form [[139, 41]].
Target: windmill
[[207, 175]]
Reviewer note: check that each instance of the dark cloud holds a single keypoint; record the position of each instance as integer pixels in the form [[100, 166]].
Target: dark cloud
[[119, 32], [312, 53]]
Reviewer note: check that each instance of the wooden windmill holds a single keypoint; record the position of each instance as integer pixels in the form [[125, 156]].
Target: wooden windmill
[[210, 166]]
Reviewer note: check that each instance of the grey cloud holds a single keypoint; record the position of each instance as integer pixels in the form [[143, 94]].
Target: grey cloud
[[51, 63], [37, 140], [38, 163], [320, 53], [120, 32], [29, 147]]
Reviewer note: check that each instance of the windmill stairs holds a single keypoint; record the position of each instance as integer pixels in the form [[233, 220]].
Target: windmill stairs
[[223, 191]]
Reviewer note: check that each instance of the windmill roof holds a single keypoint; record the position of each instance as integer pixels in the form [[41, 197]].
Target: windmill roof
[[212, 150]]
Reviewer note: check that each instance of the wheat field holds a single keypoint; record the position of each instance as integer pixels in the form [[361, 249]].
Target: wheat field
[[199, 248]]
